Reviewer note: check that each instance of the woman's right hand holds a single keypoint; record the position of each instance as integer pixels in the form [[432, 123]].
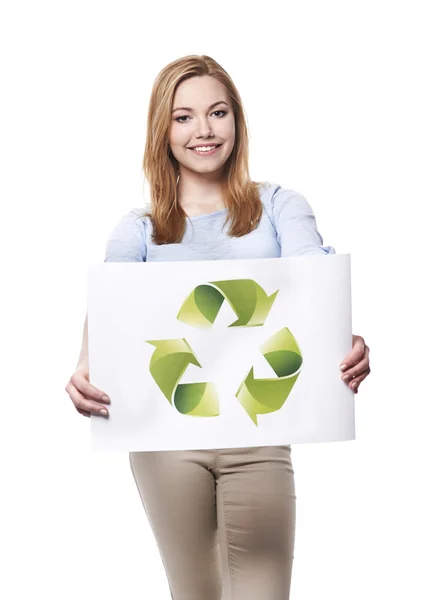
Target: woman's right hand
[[85, 397]]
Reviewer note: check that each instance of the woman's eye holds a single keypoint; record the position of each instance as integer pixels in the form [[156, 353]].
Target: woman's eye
[[187, 116]]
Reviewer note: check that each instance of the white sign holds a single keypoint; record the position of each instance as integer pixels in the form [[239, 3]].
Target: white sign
[[221, 354]]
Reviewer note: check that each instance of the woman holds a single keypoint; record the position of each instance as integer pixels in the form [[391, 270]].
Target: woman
[[223, 519]]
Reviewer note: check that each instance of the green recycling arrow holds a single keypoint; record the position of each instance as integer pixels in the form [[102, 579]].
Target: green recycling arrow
[[167, 365], [247, 298], [262, 396], [200, 309]]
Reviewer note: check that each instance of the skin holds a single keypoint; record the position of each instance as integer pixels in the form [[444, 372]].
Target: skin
[[199, 186], [199, 193], [357, 364]]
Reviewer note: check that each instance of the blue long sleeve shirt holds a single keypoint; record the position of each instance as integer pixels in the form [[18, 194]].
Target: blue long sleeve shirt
[[287, 228]]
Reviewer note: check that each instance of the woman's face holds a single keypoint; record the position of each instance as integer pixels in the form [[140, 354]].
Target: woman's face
[[202, 125]]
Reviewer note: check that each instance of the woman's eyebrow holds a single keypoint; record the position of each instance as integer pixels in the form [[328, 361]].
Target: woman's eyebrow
[[192, 110]]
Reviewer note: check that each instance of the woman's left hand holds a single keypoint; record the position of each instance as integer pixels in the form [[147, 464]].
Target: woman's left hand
[[357, 365]]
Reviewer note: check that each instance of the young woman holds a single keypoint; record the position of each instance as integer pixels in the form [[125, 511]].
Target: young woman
[[223, 519]]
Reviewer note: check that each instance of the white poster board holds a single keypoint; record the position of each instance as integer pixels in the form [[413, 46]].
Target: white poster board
[[221, 354]]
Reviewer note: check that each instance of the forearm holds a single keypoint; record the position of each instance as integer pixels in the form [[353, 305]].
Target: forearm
[[83, 357]]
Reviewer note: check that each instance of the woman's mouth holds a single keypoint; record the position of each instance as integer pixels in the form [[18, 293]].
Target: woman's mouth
[[201, 150]]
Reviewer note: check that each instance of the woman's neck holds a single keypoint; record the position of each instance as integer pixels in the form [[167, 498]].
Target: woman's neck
[[199, 196], [196, 208]]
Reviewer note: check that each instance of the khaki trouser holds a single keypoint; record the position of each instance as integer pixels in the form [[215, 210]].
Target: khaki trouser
[[223, 520]]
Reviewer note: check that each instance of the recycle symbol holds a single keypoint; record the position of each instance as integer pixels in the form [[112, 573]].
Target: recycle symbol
[[252, 305]]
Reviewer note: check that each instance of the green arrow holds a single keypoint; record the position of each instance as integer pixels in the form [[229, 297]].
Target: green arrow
[[262, 396], [247, 298], [167, 365]]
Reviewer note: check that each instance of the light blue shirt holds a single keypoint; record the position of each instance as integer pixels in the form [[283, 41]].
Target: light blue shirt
[[287, 228]]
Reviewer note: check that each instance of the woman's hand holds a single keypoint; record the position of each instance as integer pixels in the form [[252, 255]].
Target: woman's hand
[[85, 397], [355, 367]]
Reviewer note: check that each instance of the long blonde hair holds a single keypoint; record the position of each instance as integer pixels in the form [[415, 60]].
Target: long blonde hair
[[241, 195]]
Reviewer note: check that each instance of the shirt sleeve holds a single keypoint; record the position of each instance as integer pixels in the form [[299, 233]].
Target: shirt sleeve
[[296, 225], [127, 241]]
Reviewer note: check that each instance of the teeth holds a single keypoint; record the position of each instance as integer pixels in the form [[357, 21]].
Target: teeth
[[204, 148]]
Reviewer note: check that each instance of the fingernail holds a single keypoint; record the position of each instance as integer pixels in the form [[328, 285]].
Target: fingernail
[[343, 367], [354, 384], [346, 377], [103, 411], [105, 399]]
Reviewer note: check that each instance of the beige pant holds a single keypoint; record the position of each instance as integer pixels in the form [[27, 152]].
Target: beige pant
[[223, 520]]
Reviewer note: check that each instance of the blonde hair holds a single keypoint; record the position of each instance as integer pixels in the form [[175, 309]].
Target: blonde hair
[[241, 195]]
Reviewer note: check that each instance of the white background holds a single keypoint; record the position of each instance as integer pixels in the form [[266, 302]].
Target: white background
[[345, 103]]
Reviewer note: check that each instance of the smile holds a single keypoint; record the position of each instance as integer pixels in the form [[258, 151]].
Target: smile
[[205, 152]]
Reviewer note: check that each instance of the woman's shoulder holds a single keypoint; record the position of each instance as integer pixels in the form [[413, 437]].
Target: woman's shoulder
[[275, 197], [128, 238], [267, 190], [139, 213], [138, 219], [271, 192]]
